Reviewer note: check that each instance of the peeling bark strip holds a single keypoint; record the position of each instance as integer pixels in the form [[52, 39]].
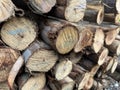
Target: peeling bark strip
[[41, 6], [6, 9], [8, 57], [19, 33], [71, 10], [59, 35]]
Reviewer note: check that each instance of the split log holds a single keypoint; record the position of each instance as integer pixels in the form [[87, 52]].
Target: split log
[[59, 35], [111, 35], [85, 39], [63, 69], [20, 31], [115, 47], [99, 57], [7, 9], [35, 82], [94, 12], [4, 86], [41, 6], [71, 10], [8, 57], [42, 60], [115, 63]]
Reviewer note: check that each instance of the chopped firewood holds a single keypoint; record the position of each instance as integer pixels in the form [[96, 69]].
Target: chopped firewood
[[36, 82], [59, 35], [4, 86], [117, 19], [20, 31], [63, 69], [118, 6], [115, 63]]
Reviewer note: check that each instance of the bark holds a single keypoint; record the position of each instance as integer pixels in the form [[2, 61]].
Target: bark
[[18, 33], [59, 35]]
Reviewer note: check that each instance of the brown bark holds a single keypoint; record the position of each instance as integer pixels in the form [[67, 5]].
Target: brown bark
[[7, 10], [71, 10], [8, 57], [41, 6], [18, 33], [59, 35]]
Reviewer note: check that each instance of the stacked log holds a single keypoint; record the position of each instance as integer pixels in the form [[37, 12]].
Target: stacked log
[[59, 45]]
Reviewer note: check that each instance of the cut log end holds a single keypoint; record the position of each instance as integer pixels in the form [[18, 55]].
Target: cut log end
[[89, 84], [75, 10], [7, 9], [85, 39], [84, 81], [63, 69], [98, 40], [117, 19], [66, 39], [103, 56], [100, 16], [118, 6], [18, 33], [42, 60], [115, 63]]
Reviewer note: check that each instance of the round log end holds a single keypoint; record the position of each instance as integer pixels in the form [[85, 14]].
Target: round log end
[[115, 63], [117, 19], [98, 40], [118, 6], [42, 60], [100, 15], [18, 33], [63, 69], [89, 84], [75, 10], [103, 56], [66, 39], [6, 9]]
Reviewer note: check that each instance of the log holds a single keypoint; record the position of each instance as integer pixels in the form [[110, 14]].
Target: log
[[94, 12], [110, 36], [20, 31], [114, 47], [42, 60], [65, 84], [4, 86], [8, 57], [115, 63], [7, 10], [117, 19], [41, 6], [118, 6], [85, 39], [35, 82], [61, 36], [98, 40], [99, 57], [63, 69], [71, 10]]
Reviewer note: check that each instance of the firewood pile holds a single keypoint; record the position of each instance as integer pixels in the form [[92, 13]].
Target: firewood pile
[[59, 44]]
